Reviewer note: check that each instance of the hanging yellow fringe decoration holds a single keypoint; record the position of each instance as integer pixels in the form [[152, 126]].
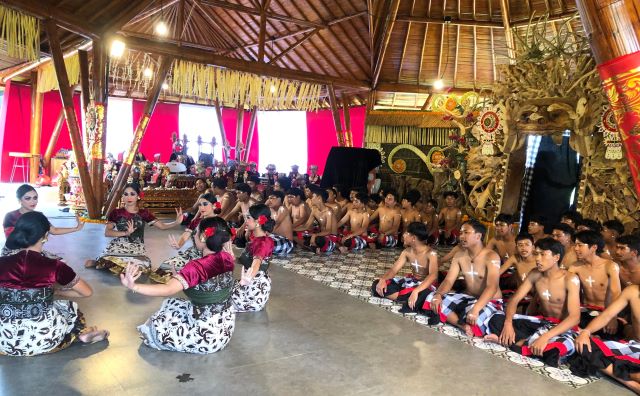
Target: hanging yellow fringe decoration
[[234, 87], [47, 79], [21, 33]]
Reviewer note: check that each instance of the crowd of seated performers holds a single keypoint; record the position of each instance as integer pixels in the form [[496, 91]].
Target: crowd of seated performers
[[568, 296]]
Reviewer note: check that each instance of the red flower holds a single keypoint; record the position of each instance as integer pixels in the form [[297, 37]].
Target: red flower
[[217, 205], [141, 195], [233, 233], [208, 232], [262, 219]]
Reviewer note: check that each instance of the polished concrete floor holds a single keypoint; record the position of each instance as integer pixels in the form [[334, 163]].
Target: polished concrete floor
[[310, 340]]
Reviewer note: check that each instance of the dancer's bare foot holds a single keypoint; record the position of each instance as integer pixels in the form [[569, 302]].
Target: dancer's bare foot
[[492, 338], [343, 249], [89, 263], [93, 335], [467, 330]]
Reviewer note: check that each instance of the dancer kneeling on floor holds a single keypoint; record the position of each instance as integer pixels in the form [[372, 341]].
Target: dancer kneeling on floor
[[412, 288], [472, 309], [126, 224], [251, 292], [618, 359], [32, 322], [549, 336], [205, 322]]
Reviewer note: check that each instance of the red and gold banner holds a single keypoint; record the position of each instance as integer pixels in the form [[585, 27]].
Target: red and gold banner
[[621, 83]]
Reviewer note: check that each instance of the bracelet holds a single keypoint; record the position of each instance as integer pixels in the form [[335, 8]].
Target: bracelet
[[133, 289]]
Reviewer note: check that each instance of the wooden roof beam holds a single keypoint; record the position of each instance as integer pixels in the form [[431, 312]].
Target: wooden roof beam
[[552, 18], [293, 46], [299, 32], [63, 19], [385, 86], [389, 21], [256, 11], [133, 8], [152, 11], [458, 22], [203, 56]]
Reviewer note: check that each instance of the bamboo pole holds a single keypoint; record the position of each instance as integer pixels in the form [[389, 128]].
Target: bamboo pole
[[70, 116], [348, 135], [35, 129], [252, 126], [239, 124], [336, 116], [152, 99], [223, 135], [52, 142]]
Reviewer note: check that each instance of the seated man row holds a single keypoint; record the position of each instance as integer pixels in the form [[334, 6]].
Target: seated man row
[[563, 300]]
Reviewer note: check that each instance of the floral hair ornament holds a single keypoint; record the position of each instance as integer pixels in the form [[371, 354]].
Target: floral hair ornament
[[141, 195], [208, 232], [233, 233], [262, 219], [217, 205]]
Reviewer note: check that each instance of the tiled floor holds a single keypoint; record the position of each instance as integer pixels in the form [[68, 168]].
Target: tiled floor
[[311, 339]]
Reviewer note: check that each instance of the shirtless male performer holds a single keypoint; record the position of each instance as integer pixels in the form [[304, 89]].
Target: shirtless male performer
[[226, 198], [244, 201], [450, 218], [282, 233], [254, 181], [550, 336], [523, 262], [563, 233], [628, 252], [504, 242], [358, 220], [611, 229], [480, 267], [409, 212], [600, 280], [300, 211], [389, 222], [536, 227], [421, 281], [619, 359], [326, 239]]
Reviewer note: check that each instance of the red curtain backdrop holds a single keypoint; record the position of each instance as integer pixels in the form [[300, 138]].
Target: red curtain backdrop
[[229, 119], [15, 121], [321, 134], [15, 118], [157, 138]]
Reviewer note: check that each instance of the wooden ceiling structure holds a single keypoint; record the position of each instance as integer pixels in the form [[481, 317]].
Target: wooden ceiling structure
[[385, 53]]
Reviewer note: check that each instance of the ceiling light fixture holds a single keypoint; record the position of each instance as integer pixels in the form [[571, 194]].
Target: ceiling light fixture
[[438, 84], [161, 29], [147, 73], [165, 86], [117, 48]]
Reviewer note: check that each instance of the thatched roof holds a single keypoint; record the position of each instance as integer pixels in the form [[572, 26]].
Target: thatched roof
[[395, 48]]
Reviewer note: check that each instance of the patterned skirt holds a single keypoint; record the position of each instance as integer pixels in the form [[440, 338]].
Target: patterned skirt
[[182, 258], [253, 297], [182, 327], [8, 252], [53, 330], [121, 252]]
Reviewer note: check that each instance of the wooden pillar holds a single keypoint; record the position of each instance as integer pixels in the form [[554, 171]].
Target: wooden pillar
[[52, 142], [100, 82], [36, 128], [613, 27], [70, 116], [152, 99], [83, 60], [252, 127], [239, 124], [514, 173], [348, 135], [336, 116]]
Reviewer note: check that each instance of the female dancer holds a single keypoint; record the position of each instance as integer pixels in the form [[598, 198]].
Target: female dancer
[[251, 293], [126, 224], [32, 321], [205, 322], [28, 199], [206, 208]]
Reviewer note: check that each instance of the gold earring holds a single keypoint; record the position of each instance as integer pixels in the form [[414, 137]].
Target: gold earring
[[45, 240]]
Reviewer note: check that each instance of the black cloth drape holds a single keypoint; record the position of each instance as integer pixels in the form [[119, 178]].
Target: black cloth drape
[[349, 166]]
